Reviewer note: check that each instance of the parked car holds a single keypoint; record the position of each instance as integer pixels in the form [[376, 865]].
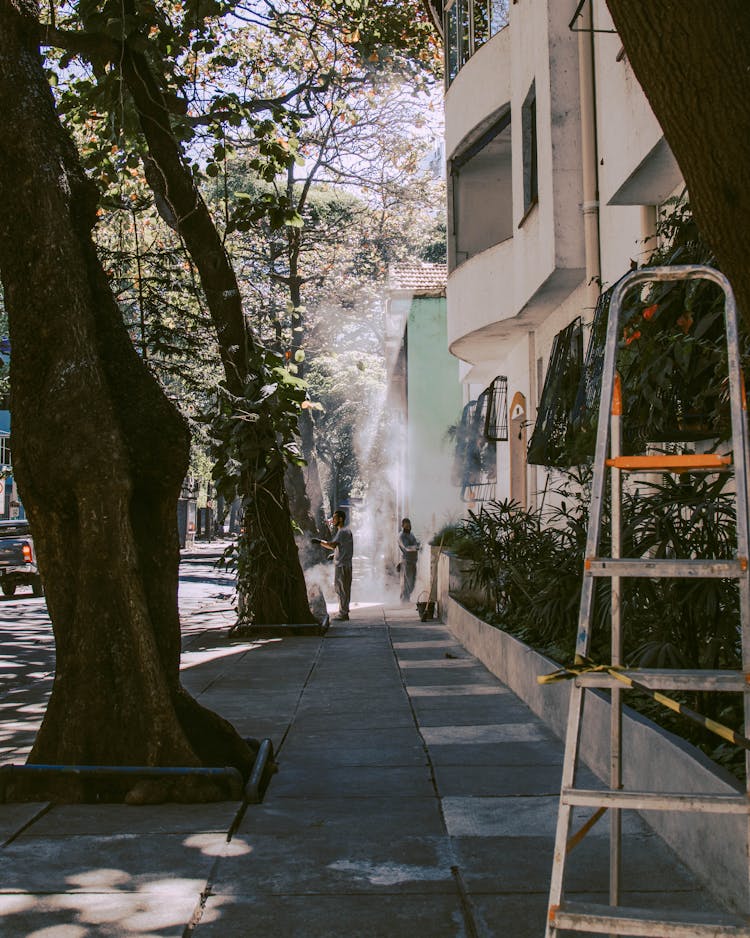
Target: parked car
[[18, 558]]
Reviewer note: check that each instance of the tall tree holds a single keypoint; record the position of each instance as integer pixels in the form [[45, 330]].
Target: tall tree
[[100, 454], [154, 53], [693, 62]]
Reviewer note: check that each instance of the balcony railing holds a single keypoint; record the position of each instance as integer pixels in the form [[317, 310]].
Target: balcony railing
[[468, 25]]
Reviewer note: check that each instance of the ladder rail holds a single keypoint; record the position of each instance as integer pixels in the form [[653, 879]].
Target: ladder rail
[[608, 444]]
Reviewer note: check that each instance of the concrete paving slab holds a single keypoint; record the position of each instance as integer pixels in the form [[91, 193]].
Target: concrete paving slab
[[431, 712], [487, 733], [370, 694], [307, 750], [159, 913], [342, 916], [455, 690], [510, 915], [126, 862], [520, 864], [517, 753], [488, 780], [518, 816], [392, 817], [107, 820], [409, 664], [389, 739], [429, 645], [356, 718], [14, 817], [352, 781], [347, 861], [429, 677]]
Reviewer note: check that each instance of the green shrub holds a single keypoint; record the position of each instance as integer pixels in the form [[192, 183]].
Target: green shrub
[[528, 564]]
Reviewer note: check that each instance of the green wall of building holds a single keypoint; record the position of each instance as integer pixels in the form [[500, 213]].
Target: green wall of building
[[434, 403]]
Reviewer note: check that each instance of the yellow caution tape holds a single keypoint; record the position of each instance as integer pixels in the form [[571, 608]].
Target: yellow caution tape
[[584, 666]]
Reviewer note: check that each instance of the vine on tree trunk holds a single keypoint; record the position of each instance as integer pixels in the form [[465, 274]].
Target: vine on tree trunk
[[254, 438]]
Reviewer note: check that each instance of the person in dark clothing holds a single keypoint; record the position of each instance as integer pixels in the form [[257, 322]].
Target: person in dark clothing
[[343, 544], [409, 547]]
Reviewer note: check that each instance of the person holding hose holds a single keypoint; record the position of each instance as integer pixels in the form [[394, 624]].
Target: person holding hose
[[343, 544]]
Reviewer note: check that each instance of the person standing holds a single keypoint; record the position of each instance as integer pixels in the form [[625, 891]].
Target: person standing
[[409, 547], [343, 544]]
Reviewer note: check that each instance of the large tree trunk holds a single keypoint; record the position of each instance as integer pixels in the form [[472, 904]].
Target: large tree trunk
[[693, 62], [99, 453]]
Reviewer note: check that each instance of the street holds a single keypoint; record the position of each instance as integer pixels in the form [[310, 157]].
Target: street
[[27, 648]]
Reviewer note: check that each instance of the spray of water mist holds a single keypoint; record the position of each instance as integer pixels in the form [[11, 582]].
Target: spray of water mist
[[375, 546]]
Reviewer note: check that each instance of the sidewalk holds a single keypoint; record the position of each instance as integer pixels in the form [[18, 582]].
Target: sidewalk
[[416, 796]]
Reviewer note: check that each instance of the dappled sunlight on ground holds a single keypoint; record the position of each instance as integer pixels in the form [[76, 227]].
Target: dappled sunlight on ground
[[193, 659], [209, 846], [138, 895]]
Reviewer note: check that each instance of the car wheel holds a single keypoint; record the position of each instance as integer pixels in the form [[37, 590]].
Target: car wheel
[[8, 589], [36, 587]]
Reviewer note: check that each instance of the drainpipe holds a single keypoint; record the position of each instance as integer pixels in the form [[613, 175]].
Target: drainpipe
[[589, 155], [648, 232]]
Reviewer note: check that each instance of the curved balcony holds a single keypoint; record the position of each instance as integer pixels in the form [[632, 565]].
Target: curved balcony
[[509, 288], [479, 91], [480, 297]]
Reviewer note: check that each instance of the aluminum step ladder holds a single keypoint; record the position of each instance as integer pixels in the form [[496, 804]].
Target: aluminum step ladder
[[612, 918]]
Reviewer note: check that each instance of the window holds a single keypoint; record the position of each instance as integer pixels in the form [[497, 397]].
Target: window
[[451, 42], [5, 459], [468, 25], [481, 195], [529, 142]]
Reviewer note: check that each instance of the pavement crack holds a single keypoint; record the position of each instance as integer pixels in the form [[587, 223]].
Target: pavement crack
[[467, 907], [39, 814]]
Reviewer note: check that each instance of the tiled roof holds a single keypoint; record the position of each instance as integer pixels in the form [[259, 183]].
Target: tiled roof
[[418, 277]]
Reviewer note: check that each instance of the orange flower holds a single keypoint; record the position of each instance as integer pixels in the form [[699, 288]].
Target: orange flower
[[633, 337], [650, 311], [685, 322]]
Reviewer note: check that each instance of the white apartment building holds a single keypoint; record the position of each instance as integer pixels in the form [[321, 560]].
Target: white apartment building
[[556, 167]]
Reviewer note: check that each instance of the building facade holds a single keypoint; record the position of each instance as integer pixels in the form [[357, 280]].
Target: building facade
[[556, 167], [425, 394]]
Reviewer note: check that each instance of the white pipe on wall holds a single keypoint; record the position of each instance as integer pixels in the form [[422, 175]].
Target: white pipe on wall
[[589, 155]]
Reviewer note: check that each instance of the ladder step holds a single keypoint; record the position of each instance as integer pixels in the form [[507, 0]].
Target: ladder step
[[610, 567], [673, 463], [669, 679], [657, 801], [650, 923]]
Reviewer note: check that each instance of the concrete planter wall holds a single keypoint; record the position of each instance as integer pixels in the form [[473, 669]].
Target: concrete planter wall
[[712, 845]]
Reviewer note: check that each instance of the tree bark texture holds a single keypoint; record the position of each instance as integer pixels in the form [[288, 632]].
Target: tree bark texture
[[279, 591], [99, 454], [305, 490], [693, 61]]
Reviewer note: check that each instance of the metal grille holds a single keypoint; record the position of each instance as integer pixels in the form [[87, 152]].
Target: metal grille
[[550, 439], [496, 420], [482, 492], [475, 463]]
